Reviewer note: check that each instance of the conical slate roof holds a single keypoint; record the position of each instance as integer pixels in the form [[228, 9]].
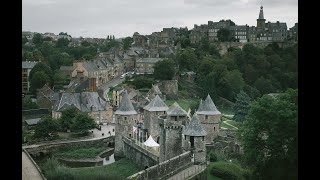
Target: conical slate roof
[[200, 108], [194, 128], [126, 107], [176, 110], [156, 105], [208, 107]]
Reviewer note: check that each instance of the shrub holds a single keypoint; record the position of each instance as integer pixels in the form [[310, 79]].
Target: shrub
[[226, 170], [212, 156]]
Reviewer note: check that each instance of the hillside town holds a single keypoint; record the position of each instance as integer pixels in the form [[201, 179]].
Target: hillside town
[[168, 105]]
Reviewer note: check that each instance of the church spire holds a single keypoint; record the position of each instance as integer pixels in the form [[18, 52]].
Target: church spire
[[261, 13]]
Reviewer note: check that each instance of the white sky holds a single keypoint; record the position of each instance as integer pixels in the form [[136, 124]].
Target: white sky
[[99, 18]]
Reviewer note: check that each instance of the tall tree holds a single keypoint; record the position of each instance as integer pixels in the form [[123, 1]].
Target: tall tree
[[28, 104], [68, 117], [45, 127], [62, 43], [225, 35], [82, 123], [164, 70], [37, 39], [270, 136], [241, 107], [39, 79], [42, 67], [127, 42]]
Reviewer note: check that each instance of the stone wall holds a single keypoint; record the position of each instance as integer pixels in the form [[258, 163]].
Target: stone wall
[[48, 147], [169, 88], [165, 169], [138, 155], [202, 175], [170, 139]]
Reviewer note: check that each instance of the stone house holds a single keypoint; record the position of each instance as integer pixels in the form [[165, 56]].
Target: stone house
[[88, 102], [145, 65], [46, 97], [26, 68]]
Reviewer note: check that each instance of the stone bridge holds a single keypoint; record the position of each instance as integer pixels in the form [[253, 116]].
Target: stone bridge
[[45, 148]]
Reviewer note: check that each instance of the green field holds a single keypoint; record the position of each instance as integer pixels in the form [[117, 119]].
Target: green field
[[115, 171], [78, 153], [183, 103]]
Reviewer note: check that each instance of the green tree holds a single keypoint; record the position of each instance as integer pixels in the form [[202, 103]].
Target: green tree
[[225, 35], [24, 40], [127, 43], [45, 127], [85, 43], [164, 70], [62, 43], [42, 67], [87, 57], [270, 136], [241, 107], [68, 118], [187, 59], [39, 79], [28, 104], [234, 78], [82, 123], [37, 39]]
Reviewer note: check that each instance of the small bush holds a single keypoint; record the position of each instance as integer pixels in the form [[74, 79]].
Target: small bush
[[226, 171], [212, 156]]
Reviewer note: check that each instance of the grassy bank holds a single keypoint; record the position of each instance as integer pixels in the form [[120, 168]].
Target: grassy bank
[[183, 103], [117, 170]]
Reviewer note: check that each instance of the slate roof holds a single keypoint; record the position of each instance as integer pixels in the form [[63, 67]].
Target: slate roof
[[194, 128], [126, 107], [84, 102], [261, 13], [176, 110], [156, 105], [149, 60], [28, 64], [32, 121], [208, 107]]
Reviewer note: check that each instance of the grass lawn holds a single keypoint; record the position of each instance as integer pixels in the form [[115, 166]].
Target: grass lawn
[[234, 123], [78, 153], [183, 103], [119, 170], [224, 125], [212, 177]]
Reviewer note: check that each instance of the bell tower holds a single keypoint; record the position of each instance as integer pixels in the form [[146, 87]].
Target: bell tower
[[261, 21]]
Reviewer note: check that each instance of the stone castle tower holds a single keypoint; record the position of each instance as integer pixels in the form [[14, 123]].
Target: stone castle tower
[[171, 132], [126, 117], [194, 135], [209, 117], [261, 21], [155, 108]]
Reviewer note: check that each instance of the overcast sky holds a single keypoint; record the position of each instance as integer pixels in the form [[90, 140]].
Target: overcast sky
[[99, 18]]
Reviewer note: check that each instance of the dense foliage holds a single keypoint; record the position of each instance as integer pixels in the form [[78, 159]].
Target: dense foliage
[[28, 104], [241, 106], [45, 127], [270, 136], [164, 70]]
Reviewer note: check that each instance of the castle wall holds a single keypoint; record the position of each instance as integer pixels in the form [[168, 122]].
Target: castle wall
[[151, 122], [137, 154], [124, 126], [165, 169]]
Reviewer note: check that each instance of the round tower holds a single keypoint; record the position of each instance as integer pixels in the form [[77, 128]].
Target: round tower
[[209, 117], [126, 118], [155, 108], [194, 135]]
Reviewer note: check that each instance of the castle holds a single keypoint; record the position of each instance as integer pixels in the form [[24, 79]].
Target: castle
[[171, 128]]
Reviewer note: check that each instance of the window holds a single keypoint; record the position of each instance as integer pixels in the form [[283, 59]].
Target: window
[[125, 118], [185, 137], [202, 138], [192, 141], [214, 128], [206, 116], [164, 112]]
